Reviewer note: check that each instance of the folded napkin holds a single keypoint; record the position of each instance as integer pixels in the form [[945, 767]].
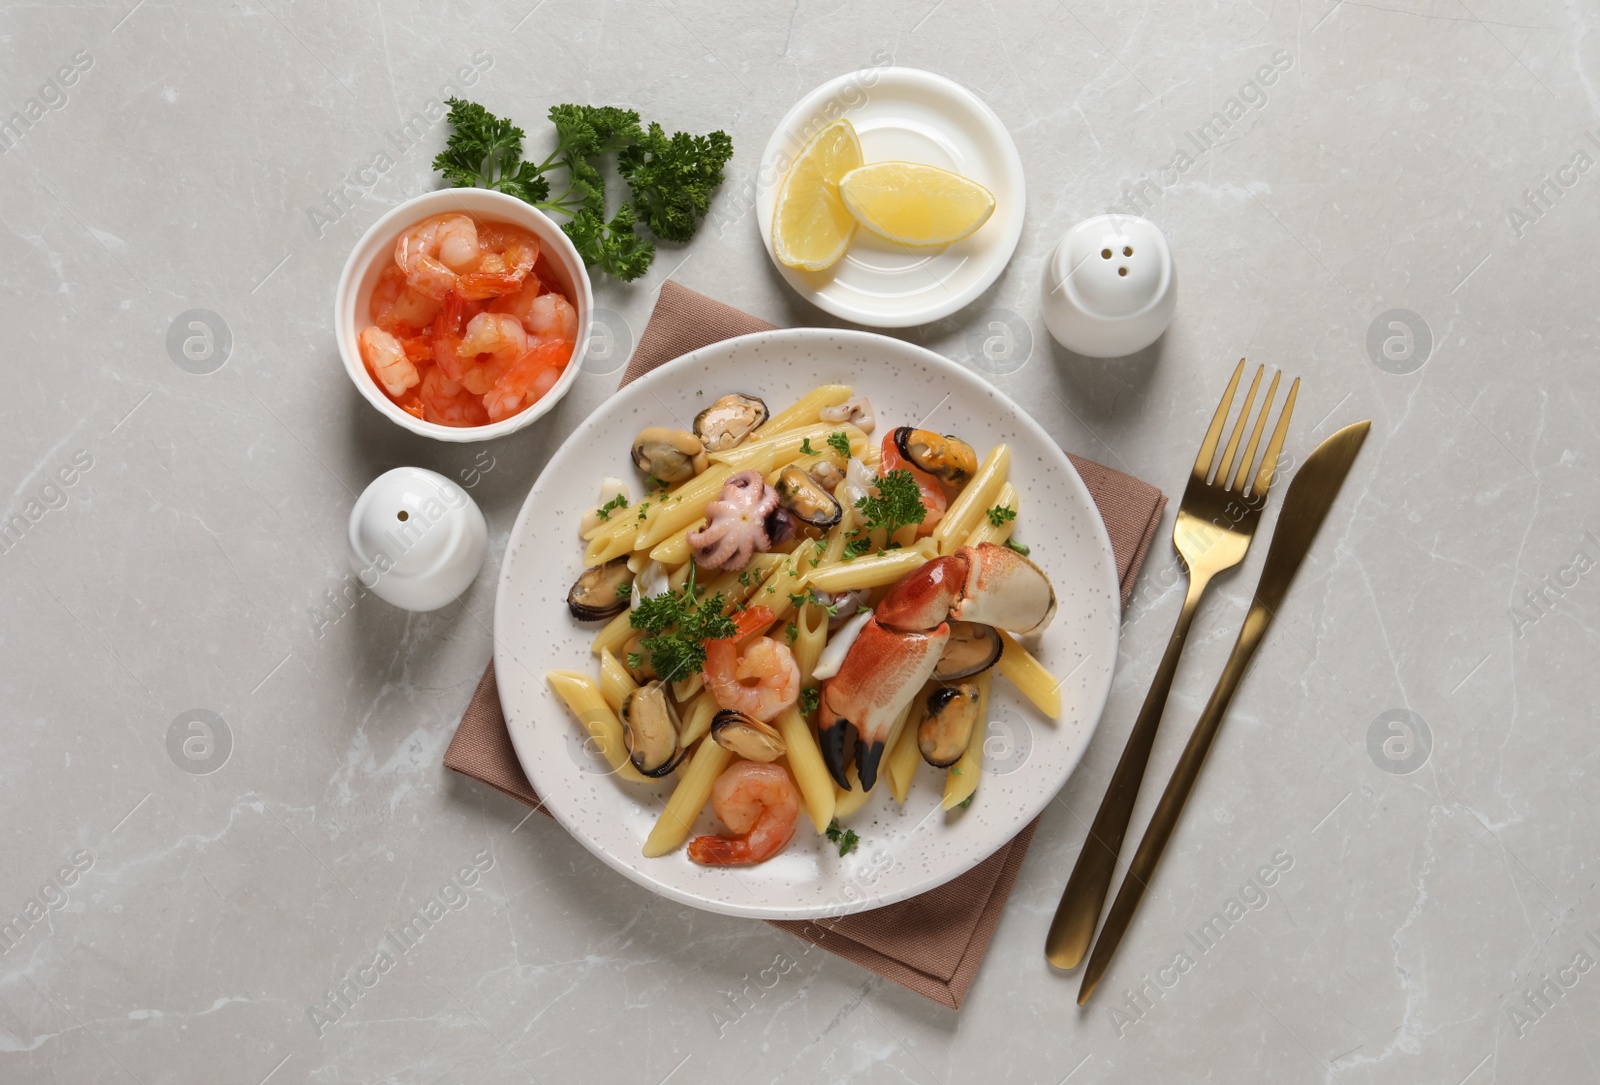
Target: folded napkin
[[932, 943]]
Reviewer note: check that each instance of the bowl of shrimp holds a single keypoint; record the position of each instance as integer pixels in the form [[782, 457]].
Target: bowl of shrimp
[[462, 314]]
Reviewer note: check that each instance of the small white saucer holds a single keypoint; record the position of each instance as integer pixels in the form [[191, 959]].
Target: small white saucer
[[915, 116]]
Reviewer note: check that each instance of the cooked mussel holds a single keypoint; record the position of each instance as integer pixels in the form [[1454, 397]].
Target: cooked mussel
[[941, 455], [650, 730], [806, 500], [602, 591], [946, 730], [671, 455], [746, 736], [729, 420], [636, 660], [972, 649]]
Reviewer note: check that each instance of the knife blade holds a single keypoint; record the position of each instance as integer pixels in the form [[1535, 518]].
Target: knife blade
[[1305, 507]]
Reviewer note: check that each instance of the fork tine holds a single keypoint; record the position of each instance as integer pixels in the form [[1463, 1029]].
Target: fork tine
[[1208, 447], [1224, 462], [1269, 459], [1249, 456]]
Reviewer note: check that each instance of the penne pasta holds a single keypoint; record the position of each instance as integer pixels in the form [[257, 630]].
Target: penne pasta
[[583, 697], [1030, 676], [772, 452], [812, 623], [805, 410], [677, 819], [674, 549], [901, 762], [805, 762], [616, 633], [697, 719], [681, 507], [615, 681], [973, 501], [606, 548], [987, 530], [873, 572], [961, 779]]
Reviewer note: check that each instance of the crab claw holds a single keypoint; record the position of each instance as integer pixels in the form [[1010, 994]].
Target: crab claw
[[1004, 589], [882, 672]]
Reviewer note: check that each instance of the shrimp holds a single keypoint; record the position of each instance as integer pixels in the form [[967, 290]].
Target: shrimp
[[932, 492], [493, 341], [529, 378], [759, 802], [387, 360], [761, 681], [518, 303], [446, 402], [436, 252], [506, 256], [551, 316], [398, 309]]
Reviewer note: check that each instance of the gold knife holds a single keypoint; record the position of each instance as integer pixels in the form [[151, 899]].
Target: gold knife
[[1306, 505]]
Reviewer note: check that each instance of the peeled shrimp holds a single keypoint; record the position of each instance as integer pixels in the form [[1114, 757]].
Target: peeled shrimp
[[759, 802], [762, 680], [493, 341], [528, 378], [506, 256], [446, 402], [396, 308], [551, 316], [932, 491], [436, 252], [387, 360], [518, 303]]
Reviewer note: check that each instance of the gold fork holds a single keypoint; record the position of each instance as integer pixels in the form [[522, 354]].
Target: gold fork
[[1216, 520]]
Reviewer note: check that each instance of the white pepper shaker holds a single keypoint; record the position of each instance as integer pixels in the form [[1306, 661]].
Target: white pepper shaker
[[1110, 287], [417, 539]]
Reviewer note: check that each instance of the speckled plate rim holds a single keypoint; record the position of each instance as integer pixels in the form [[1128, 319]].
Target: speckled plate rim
[[531, 622]]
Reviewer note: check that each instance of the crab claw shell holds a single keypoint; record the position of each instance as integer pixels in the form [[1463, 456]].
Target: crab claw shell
[[883, 670], [1004, 589]]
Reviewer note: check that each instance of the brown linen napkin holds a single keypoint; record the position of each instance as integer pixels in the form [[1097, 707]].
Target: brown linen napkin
[[932, 943]]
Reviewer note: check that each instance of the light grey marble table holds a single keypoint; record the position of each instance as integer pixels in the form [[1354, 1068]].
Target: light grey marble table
[[1434, 916]]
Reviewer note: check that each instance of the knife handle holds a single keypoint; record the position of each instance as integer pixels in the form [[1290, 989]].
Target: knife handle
[[1165, 819], [1072, 929]]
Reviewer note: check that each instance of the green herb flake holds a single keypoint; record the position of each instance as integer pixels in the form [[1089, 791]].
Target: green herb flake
[[791, 631], [618, 502], [810, 700], [1021, 548], [966, 802], [839, 441], [845, 838], [1001, 515], [635, 661], [624, 591], [806, 449]]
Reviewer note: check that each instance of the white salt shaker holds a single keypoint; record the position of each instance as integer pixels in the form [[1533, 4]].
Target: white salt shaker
[[417, 540], [1110, 287]]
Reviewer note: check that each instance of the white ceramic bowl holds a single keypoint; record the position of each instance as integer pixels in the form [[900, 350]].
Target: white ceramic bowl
[[376, 248]]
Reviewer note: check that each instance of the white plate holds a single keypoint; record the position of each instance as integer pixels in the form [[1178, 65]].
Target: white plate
[[914, 116], [904, 850]]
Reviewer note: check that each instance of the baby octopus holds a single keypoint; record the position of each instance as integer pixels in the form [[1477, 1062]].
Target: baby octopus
[[736, 523]]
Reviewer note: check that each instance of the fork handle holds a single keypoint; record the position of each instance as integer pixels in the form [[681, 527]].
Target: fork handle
[[1072, 929]]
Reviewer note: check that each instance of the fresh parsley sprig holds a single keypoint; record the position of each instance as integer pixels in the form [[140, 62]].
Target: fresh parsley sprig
[[679, 623], [845, 838], [670, 178], [897, 503], [1000, 514], [839, 441]]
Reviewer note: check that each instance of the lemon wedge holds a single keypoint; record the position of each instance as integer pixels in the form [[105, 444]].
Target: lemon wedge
[[810, 226], [915, 204]]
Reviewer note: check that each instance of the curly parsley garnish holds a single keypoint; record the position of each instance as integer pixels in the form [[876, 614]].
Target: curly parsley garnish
[[800, 599], [806, 449], [810, 700], [897, 503], [845, 838], [840, 443], [1001, 515], [670, 178], [855, 548], [618, 502], [679, 624]]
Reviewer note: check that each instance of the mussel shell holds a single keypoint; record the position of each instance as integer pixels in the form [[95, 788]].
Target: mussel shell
[[806, 500], [594, 596], [729, 420], [945, 457], [650, 730], [671, 455], [746, 736], [946, 730], [972, 649]]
